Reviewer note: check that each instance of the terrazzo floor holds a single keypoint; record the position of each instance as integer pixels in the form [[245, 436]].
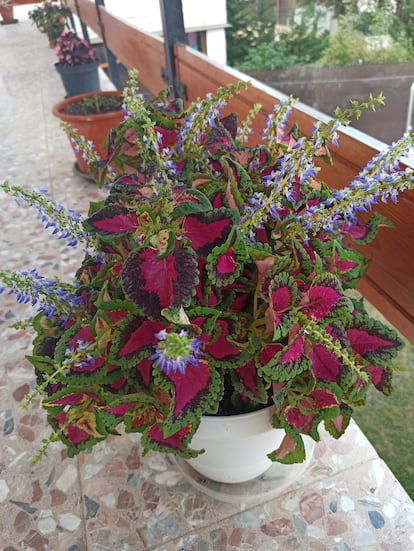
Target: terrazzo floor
[[113, 498]]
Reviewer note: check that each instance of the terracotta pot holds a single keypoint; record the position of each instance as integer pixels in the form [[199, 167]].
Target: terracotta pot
[[94, 128], [7, 15]]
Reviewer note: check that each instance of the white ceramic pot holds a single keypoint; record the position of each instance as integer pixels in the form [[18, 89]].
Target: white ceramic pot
[[236, 446]]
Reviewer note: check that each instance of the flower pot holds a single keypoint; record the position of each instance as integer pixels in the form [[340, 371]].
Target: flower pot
[[79, 79], [7, 15], [236, 446], [94, 128]]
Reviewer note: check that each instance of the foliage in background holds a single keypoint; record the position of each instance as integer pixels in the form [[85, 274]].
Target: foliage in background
[[381, 35], [252, 25], [367, 37], [303, 45]]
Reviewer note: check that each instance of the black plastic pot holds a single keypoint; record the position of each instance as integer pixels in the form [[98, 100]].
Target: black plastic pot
[[79, 79]]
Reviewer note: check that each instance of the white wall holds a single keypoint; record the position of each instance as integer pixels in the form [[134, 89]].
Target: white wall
[[198, 15], [146, 14], [216, 45]]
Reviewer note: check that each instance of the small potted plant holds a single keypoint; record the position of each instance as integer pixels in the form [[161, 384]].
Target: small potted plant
[[77, 64], [7, 12], [92, 115], [50, 18], [217, 281]]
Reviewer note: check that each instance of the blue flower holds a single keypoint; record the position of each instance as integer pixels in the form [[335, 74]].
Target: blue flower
[[175, 351]]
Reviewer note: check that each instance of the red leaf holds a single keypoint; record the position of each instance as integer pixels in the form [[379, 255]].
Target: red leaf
[[120, 409], [294, 352], [191, 387], [137, 336], [325, 364], [73, 433], [144, 369], [168, 137], [174, 442], [376, 374], [221, 348], [218, 137], [322, 301], [298, 419], [207, 230], [281, 298], [323, 398], [269, 352], [72, 399], [364, 342], [226, 263], [248, 374], [113, 219], [154, 283]]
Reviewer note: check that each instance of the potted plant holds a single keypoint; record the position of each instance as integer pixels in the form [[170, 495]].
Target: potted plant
[[50, 18], [217, 280], [92, 115], [77, 65], [7, 12]]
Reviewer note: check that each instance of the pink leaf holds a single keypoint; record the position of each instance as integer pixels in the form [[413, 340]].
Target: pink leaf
[[226, 263], [323, 398], [325, 364], [322, 300], [294, 352]]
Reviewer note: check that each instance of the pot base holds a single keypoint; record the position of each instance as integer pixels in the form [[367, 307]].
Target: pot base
[[266, 486], [78, 172]]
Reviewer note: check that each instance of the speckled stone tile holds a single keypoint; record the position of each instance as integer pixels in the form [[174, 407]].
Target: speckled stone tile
[[114, 498], [370, 514]]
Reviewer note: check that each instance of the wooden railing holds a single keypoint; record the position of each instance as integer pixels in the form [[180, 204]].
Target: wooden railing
[[389, 282]]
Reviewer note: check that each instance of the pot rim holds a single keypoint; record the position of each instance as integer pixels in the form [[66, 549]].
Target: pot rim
[[57, 108], [240, 417], [82, 67]]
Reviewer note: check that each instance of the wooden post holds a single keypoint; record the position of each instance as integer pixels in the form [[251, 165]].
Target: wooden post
[[174, 33]]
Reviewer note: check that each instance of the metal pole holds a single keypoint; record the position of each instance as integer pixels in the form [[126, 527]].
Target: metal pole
[[82, 24], [112, 65], [174, 33]]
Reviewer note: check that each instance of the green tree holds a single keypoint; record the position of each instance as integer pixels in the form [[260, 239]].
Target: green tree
[[252, 23]]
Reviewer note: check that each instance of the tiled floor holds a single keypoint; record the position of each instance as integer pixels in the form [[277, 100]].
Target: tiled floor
[[114, 498]]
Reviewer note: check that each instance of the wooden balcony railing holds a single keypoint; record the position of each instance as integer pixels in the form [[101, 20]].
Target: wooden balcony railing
[[389, 281]]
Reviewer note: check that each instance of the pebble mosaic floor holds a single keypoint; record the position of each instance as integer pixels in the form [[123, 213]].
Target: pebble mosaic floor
[[113, 498]]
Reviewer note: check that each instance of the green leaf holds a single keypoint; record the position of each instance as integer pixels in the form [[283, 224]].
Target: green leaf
[[291, 450], [190, 207]]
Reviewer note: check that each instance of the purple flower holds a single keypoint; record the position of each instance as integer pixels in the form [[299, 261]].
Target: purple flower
[[175, 351]]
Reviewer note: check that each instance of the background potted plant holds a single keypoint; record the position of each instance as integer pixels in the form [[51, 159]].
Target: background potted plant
[[92, 115], [51, 18], [7, 12], [217, 280], [77, 65]]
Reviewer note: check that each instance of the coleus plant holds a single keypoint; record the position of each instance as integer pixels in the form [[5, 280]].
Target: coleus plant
[[217, 278], [73, 50]]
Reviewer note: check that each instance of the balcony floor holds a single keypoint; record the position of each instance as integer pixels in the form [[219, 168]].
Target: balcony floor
[[114, 498]]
